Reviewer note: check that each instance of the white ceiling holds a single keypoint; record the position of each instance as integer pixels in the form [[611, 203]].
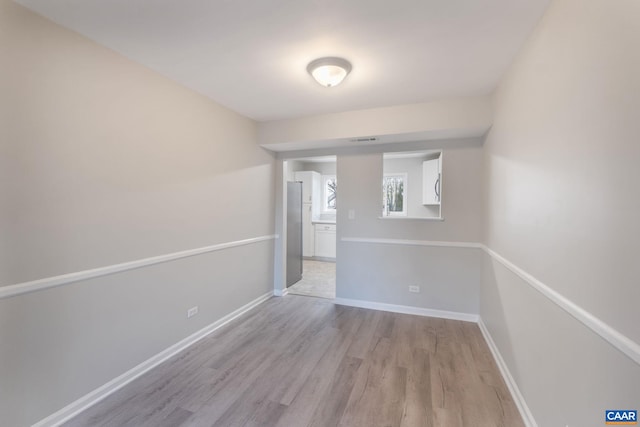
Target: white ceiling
[[251, 55]]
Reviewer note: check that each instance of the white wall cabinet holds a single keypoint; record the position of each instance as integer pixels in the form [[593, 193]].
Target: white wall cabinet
[[432, 181], [311, 189], [311, 195], [325, 245]]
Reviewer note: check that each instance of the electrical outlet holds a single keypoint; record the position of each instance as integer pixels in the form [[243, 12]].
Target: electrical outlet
[[192, 311], [414, 289]]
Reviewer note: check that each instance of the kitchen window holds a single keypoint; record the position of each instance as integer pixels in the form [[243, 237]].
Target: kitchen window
[[329, 195], [394, 189]]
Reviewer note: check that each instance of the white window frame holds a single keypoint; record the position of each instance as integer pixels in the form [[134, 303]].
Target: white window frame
[[405, 193], [325, 194]]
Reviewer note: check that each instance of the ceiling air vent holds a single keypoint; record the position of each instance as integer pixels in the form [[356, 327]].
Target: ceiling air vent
[[364, 139]]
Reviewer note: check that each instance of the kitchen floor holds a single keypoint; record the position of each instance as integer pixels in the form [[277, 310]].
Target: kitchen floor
[[318, 280]]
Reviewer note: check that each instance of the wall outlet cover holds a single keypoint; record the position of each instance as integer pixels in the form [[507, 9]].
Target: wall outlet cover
[[192, 311]]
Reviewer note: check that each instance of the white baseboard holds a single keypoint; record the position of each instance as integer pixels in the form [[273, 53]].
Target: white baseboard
[[406, 309], [526, 414], [105, 390], [280, 292], [606, 331]]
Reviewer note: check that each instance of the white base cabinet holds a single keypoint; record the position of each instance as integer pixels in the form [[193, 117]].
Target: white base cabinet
[[325, 244], [308, 231]]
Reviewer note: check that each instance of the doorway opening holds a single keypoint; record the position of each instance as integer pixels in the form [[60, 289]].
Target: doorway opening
[[311, 226]]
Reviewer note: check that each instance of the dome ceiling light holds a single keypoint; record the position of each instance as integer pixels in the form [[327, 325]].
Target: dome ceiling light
[[330, 71]]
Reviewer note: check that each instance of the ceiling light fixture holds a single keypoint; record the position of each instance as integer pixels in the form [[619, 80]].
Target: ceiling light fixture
[[329, 71]]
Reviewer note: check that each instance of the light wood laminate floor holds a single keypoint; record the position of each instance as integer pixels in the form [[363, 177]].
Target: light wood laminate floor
[[297, 361]]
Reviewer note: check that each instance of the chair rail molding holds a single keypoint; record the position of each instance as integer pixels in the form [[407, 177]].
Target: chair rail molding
[[406, 242], [614, 337], [65, 279]]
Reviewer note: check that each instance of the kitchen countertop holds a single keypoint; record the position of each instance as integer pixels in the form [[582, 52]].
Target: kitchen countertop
[[322, 221]]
